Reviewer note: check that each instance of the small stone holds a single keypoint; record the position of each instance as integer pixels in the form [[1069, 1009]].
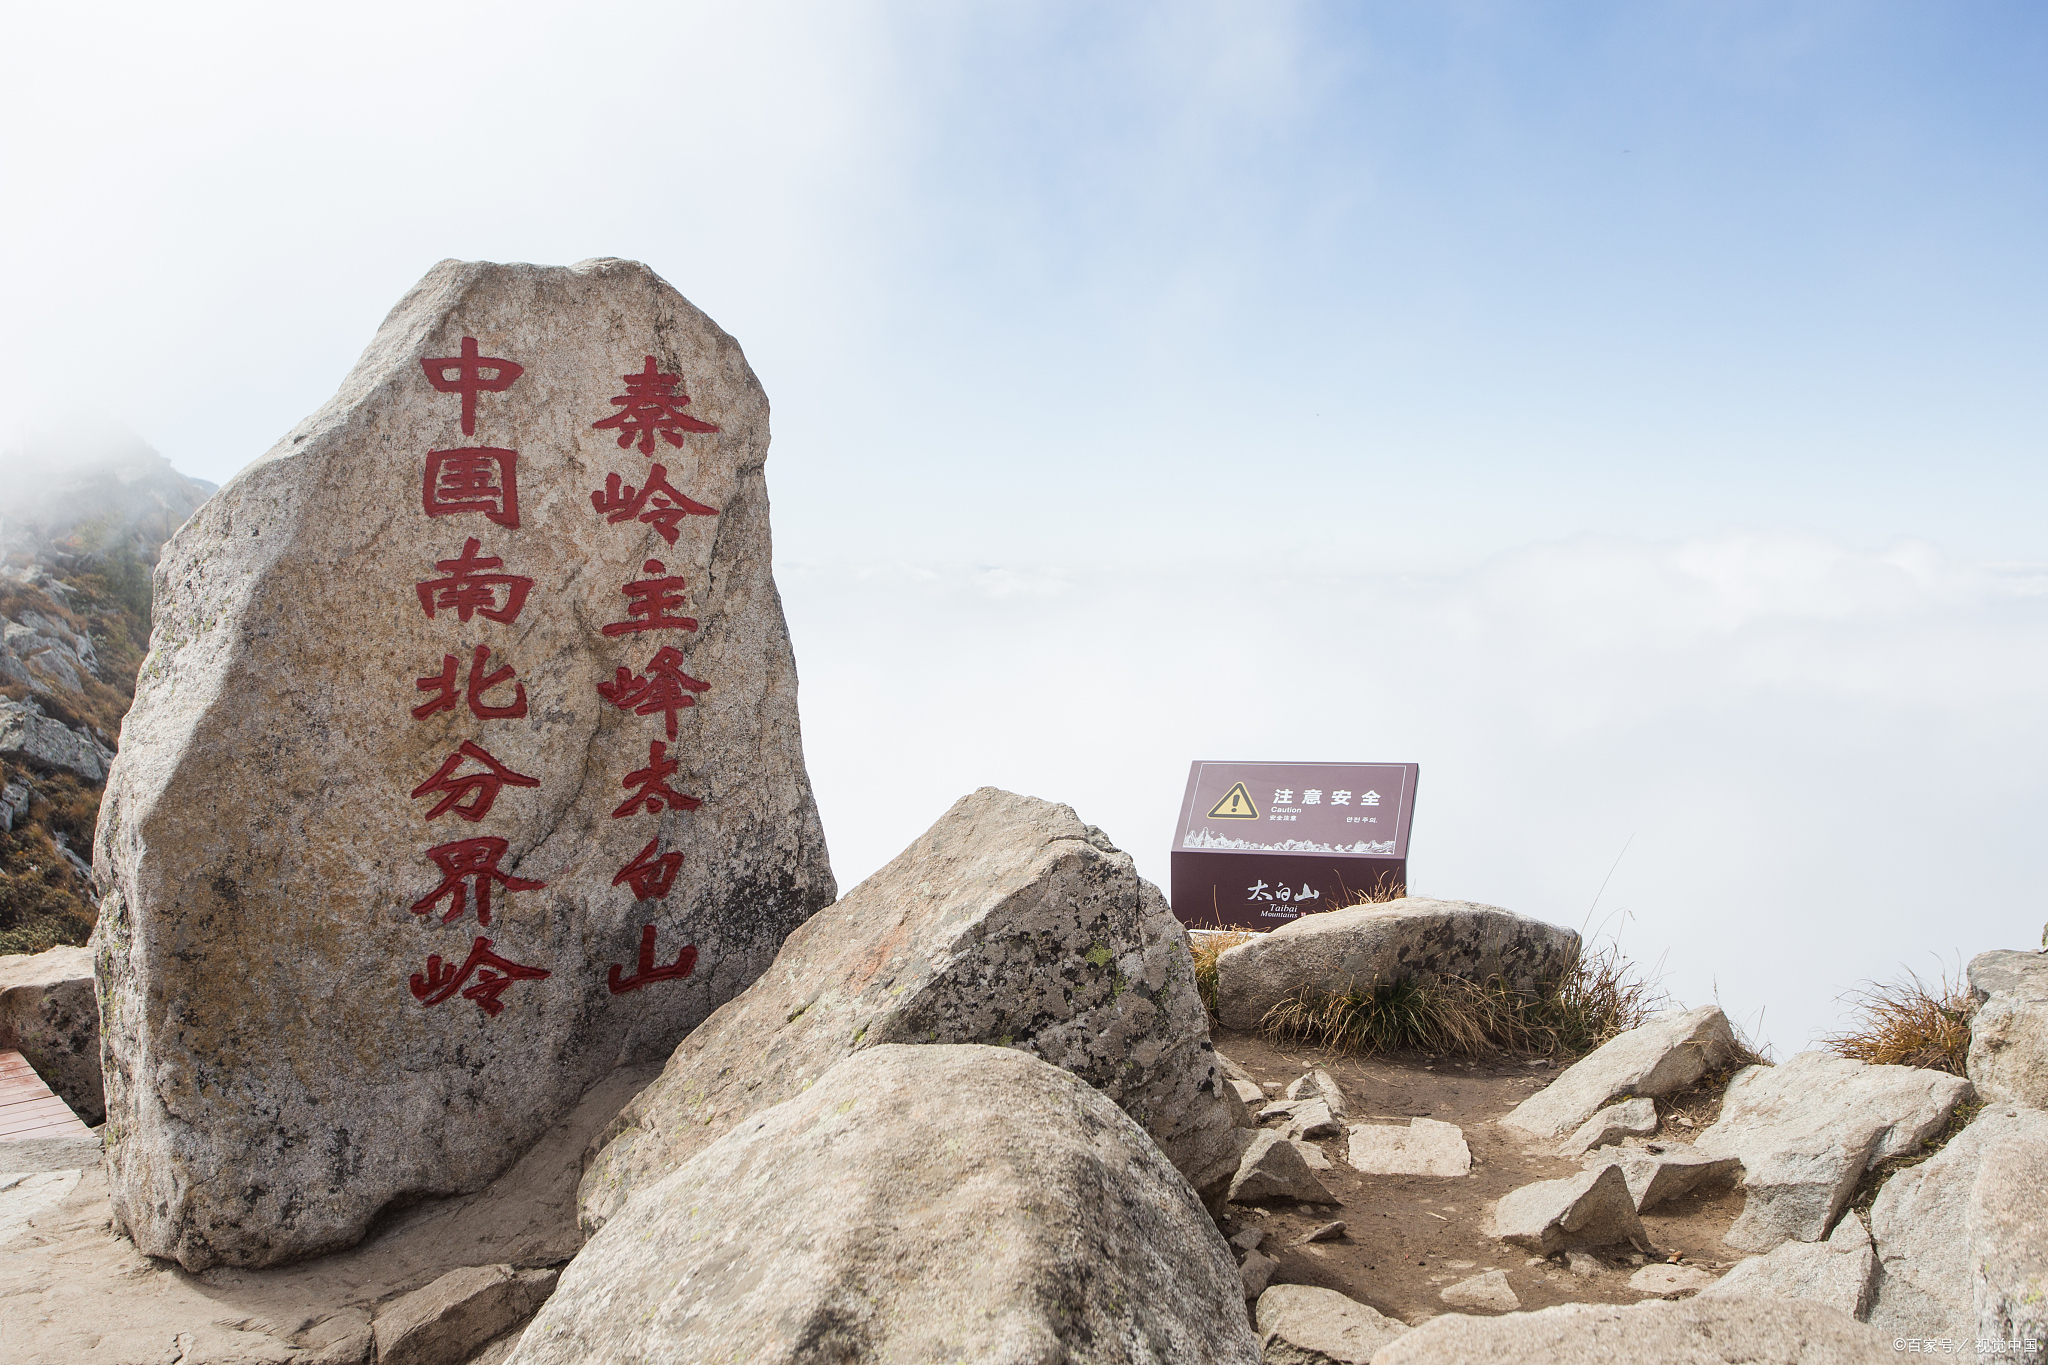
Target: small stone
[[1271, 1168], [1669, 1279], [1328, 1232], [1630, 1118], [1313, 1155], [1248, 1092], [1257, 1271], [1249, 1239], [1584, 1264], [1312, 1119], [1593, 1209], [1424, 1147], [1489, 1291], [1320, 1085]]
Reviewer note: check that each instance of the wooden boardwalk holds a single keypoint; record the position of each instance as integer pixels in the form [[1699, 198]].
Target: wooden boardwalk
[[27, 1108]]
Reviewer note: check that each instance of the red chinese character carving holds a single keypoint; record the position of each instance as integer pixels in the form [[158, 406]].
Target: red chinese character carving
[[652, 781], [651, 877], [469, 590], [480, 682], [479, 479], [653, 402], [651, 602], [469, 866], [464, 374], [647, 973], [493, 974], [481, 789], [663, 687], [656, 503]]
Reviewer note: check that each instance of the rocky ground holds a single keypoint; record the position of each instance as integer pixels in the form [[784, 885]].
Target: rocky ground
[[1407, 1238]]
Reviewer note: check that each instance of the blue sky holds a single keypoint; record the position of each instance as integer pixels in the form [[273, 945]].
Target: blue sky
[[1631, 412]]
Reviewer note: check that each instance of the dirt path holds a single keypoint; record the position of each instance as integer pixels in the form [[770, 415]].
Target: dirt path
[[1409, 1237]]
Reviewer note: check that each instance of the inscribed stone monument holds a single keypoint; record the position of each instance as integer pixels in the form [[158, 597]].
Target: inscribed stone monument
[[464, 766]]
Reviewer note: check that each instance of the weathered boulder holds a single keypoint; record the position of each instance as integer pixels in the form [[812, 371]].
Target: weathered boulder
[[1411, 938], [442, 1323], [2008, 1059], [1422, 1147], [1662, 1057], [1664, 1170], [1008, 922], [1489, 1291], [1840, 1272], [1273, 1168], [28, 736], [1695, 1331], [1630, 1118], [1589, 1210], [50, 1014], [1302, 1325], [1806, 1131], [2008, 1228], [464, 766], [943, 1202], [1920, 1224]]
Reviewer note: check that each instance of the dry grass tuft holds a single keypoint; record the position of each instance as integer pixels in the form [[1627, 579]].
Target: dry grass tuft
[[1207, 947], [1907, 1023], [1600, 995]]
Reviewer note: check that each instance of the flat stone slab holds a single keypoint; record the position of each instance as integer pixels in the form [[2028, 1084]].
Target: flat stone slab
[[1304, 1325], [1488, 1292], [1655, 1176], [1695, 1331], [1424, 1147], [1661, 1278], [1662, 1057]]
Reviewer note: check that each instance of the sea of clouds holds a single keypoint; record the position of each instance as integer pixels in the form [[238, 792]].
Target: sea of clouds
[[1782, 764]]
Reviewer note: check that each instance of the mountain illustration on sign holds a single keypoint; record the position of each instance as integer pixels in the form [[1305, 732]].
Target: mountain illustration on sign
[[1235, 805]]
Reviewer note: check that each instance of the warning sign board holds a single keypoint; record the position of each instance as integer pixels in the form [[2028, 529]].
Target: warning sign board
[[1260, 844]]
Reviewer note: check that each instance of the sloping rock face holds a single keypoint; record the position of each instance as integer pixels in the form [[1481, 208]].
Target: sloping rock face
[[464, 766], [1806, 1131], [1839, 1272], [1662, 1057], [1698, 1331], [28, 736], [1008, 922], [2009, 1032], [1415, 938], [51, 1016], [2008, 1226], [1920, 1223], [1302, 1325], [935, 1203]]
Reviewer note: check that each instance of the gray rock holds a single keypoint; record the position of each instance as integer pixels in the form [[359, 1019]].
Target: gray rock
[[1630, 1118], [1584, 1264], [1661, 1057], [1423, 1147], [1662, 1277], [13, 804], [1271, 1168], [1249, 1239], [50, 1014], [1255, 1273], [28, 736], [1413, 938], [1247, 1092], [1302, 1325], [1008, 922], [1672, 1170], [448, 1319], [1919, 1222], [1806, 1130], [915, 1203], [1589, 1210], [1328, 1232], [1695, 1331], [1489, 1291], [2008, 1058], [1311, 1119], [2008, 1228], [1840, 1272], [307, 1014], [1312, 1154], [1320, 1085]]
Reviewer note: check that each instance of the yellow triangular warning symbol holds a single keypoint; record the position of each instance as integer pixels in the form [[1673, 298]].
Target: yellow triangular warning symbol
[[1235, 805]]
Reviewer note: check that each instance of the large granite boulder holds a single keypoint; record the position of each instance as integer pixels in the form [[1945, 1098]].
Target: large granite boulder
[[931, 1203], [1008, 922], [1735, 1330], [2007, 1221], [1806, 1130], [464, 766], [1662, 1057], [2008, 1057], [1921, 1225], [1411, 938], [50, 1014]]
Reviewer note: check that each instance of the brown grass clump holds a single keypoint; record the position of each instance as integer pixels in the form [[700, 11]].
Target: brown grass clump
[[1907, 1023], [1207, 948], [1599, 995]]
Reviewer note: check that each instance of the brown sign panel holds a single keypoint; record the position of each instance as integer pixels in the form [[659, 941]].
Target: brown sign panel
[[1260, 844]]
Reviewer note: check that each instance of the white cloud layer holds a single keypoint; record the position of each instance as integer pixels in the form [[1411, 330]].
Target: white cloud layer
[[1823, 761]]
